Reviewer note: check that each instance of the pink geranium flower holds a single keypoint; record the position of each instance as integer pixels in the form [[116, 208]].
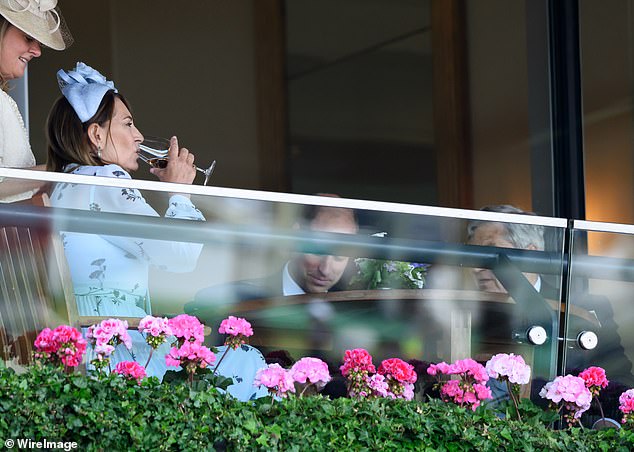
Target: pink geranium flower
[[64, 344], [470, 390], [378, 386], [45, 344], [277, 379], [595, 379], [358, 360], [509, 367], [191, 356], [400, 377], [110, 331], [238, 330], [187, 328], [572, 392], [131, 370], [626, 405], [156, 330], [311, 371]]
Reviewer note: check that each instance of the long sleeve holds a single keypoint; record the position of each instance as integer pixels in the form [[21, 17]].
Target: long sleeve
[[167, 255]]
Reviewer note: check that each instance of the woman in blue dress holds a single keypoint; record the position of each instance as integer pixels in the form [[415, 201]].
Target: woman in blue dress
[[91, 131]]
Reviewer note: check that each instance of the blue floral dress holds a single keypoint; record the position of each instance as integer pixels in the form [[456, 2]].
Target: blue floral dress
[[110, 273]]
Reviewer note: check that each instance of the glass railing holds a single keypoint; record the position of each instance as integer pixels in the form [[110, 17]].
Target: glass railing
[[315, 275], [600, 286]]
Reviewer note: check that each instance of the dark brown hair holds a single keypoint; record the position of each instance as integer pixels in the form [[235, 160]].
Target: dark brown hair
[[67, 136]]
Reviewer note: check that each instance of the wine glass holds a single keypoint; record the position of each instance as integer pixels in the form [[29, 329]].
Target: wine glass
[[154, 150]]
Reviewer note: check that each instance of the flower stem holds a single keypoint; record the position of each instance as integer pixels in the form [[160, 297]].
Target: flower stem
[[517, 408], [220, 360], [600, 408], [149, 357], [304, 390]]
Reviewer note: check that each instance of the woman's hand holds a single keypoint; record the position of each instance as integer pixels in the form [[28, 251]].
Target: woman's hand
[[180, 168]]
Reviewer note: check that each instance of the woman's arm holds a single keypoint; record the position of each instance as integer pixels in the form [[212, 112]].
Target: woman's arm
[[10, 188]]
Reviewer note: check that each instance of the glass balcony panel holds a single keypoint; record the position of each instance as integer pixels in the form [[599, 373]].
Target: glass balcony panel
[[404, 281], [601, 282]]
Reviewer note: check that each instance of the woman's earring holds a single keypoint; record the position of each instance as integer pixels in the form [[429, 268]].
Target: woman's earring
[[99, 152]]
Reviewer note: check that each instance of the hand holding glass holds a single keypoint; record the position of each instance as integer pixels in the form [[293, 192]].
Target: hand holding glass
[[154, 150]]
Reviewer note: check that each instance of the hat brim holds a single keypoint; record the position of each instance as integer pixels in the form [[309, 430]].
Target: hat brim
[[34, 26]]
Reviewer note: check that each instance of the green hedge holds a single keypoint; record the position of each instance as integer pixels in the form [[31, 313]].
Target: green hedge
[[111, 413]]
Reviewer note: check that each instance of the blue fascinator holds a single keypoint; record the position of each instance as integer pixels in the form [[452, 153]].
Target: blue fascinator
[[84, 88]]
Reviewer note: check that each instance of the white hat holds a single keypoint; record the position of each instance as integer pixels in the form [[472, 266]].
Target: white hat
[[40, 19]]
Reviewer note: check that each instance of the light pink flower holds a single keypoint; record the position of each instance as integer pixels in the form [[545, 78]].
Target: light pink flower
[[103, 351], [571, 390], [131, 370], [312, 370], [235, 326], [442, 367], [187, 328], [469, 369], [156, 330], [509, 366], [626, 401], [276, 378], [110, 331], [378, 385], [190, 356], [155, 326], [237, 330]]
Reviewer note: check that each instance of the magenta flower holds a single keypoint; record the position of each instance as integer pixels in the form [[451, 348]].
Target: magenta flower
[[238, 330], [400, 377], [398, 370], [358, 360], [64, 344], [187, 328], [470, 390], [45, 344], [277, 379], [570, 390], [595, 379], [311, 371], [131, 370], [509, 367], [626, 401], [156, 329]]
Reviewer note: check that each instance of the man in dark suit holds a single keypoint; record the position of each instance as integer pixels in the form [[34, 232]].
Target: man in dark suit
[[304, 273]]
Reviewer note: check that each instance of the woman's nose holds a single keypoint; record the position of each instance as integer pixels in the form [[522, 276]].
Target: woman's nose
[[35, 49], [139, 136]]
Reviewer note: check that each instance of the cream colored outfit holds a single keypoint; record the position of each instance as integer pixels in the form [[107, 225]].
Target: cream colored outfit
[[15, 150]]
